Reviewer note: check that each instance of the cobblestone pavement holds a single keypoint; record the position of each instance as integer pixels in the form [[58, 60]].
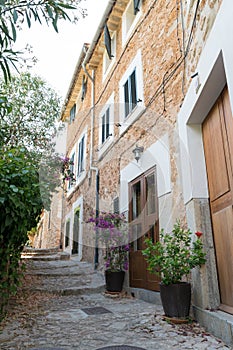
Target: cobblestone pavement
[[64, 307]]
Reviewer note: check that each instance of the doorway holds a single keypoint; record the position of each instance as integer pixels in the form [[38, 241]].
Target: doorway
[[143, 218], [218, 147], [76, 232]]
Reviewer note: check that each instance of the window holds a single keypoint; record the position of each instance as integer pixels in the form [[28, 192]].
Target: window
[[81, 146], [131, 93], [130, 18], [71, 172], [106, 125], [72, 113], [110, 50]]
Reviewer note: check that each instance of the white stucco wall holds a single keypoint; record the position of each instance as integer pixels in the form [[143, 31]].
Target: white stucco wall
[[157, 154]]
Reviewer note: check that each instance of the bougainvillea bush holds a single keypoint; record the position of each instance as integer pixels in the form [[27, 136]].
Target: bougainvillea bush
[[112, 235]]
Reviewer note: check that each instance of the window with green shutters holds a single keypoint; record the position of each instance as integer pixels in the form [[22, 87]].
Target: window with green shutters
[[81, 150]]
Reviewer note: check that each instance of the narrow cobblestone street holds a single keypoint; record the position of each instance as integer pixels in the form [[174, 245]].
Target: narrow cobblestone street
[[63, 306]]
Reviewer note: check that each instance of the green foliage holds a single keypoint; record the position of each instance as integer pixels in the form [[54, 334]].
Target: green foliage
[[13, 13], [175, 255], [33, 110], [20, 206]]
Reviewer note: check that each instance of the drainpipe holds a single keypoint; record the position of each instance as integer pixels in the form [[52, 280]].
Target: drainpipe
[[92, 168]]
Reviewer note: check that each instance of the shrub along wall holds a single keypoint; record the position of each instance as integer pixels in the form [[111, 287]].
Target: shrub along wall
[[20, 205]]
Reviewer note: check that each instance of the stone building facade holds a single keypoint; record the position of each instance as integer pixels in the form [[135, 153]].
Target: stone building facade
[[154, 77]]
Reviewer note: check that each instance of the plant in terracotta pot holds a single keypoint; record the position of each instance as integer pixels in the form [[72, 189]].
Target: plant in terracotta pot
[[172, 258], [112, 233]]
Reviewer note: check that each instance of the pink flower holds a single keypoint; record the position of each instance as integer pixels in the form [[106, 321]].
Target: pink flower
[[198, 234]]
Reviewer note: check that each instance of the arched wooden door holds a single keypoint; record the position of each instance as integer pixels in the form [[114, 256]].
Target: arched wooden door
[[218, 147], [143, 218]]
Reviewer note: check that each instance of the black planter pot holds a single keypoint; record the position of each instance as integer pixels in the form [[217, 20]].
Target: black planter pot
[[176, 299], [114, 280]]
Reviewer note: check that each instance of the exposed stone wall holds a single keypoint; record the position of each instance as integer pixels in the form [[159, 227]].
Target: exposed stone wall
[[49, 229], [159, 35]]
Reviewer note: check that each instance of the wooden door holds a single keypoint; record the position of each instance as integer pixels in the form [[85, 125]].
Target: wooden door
[[218, 147], [143, 217]]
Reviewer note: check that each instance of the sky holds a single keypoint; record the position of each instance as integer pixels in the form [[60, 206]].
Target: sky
[[58, 54]]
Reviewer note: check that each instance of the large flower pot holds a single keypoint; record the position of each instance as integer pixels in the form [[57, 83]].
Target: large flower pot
[[114, 280], [176, 299]]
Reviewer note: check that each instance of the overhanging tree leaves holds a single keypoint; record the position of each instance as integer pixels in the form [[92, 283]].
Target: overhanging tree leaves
[[31, 119], [13, 13]]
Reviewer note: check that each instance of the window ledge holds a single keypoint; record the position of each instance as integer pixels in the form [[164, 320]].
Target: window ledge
[[81, 178], [131, 118], [104, 147], [106, 73]]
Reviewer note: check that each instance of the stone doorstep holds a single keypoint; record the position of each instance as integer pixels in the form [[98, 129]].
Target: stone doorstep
[[218, 323]]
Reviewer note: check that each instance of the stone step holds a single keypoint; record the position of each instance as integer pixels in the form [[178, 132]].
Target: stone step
[[45, 257], [40, 251]]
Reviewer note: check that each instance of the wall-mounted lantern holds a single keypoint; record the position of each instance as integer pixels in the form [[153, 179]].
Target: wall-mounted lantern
[[137, 151]]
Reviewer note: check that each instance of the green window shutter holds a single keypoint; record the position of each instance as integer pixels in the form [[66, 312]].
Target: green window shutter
[[107, 123], [133, 89], [72, 113], [108, 41], [103, 128], [84, 88], [136, 6], [126, 97]]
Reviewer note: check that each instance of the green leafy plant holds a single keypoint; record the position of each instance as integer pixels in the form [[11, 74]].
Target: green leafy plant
[[20, 206], [175, 255]]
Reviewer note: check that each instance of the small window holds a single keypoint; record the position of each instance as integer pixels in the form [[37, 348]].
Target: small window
[[81, 146], [72, 113], [105, 125], [130, 17], [130, 93]]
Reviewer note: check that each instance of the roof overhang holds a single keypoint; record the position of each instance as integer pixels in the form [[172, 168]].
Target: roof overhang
[[92, 54]]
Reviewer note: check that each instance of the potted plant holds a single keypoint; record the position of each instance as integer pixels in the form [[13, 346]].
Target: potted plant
[[172, 258], [112, 234]]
